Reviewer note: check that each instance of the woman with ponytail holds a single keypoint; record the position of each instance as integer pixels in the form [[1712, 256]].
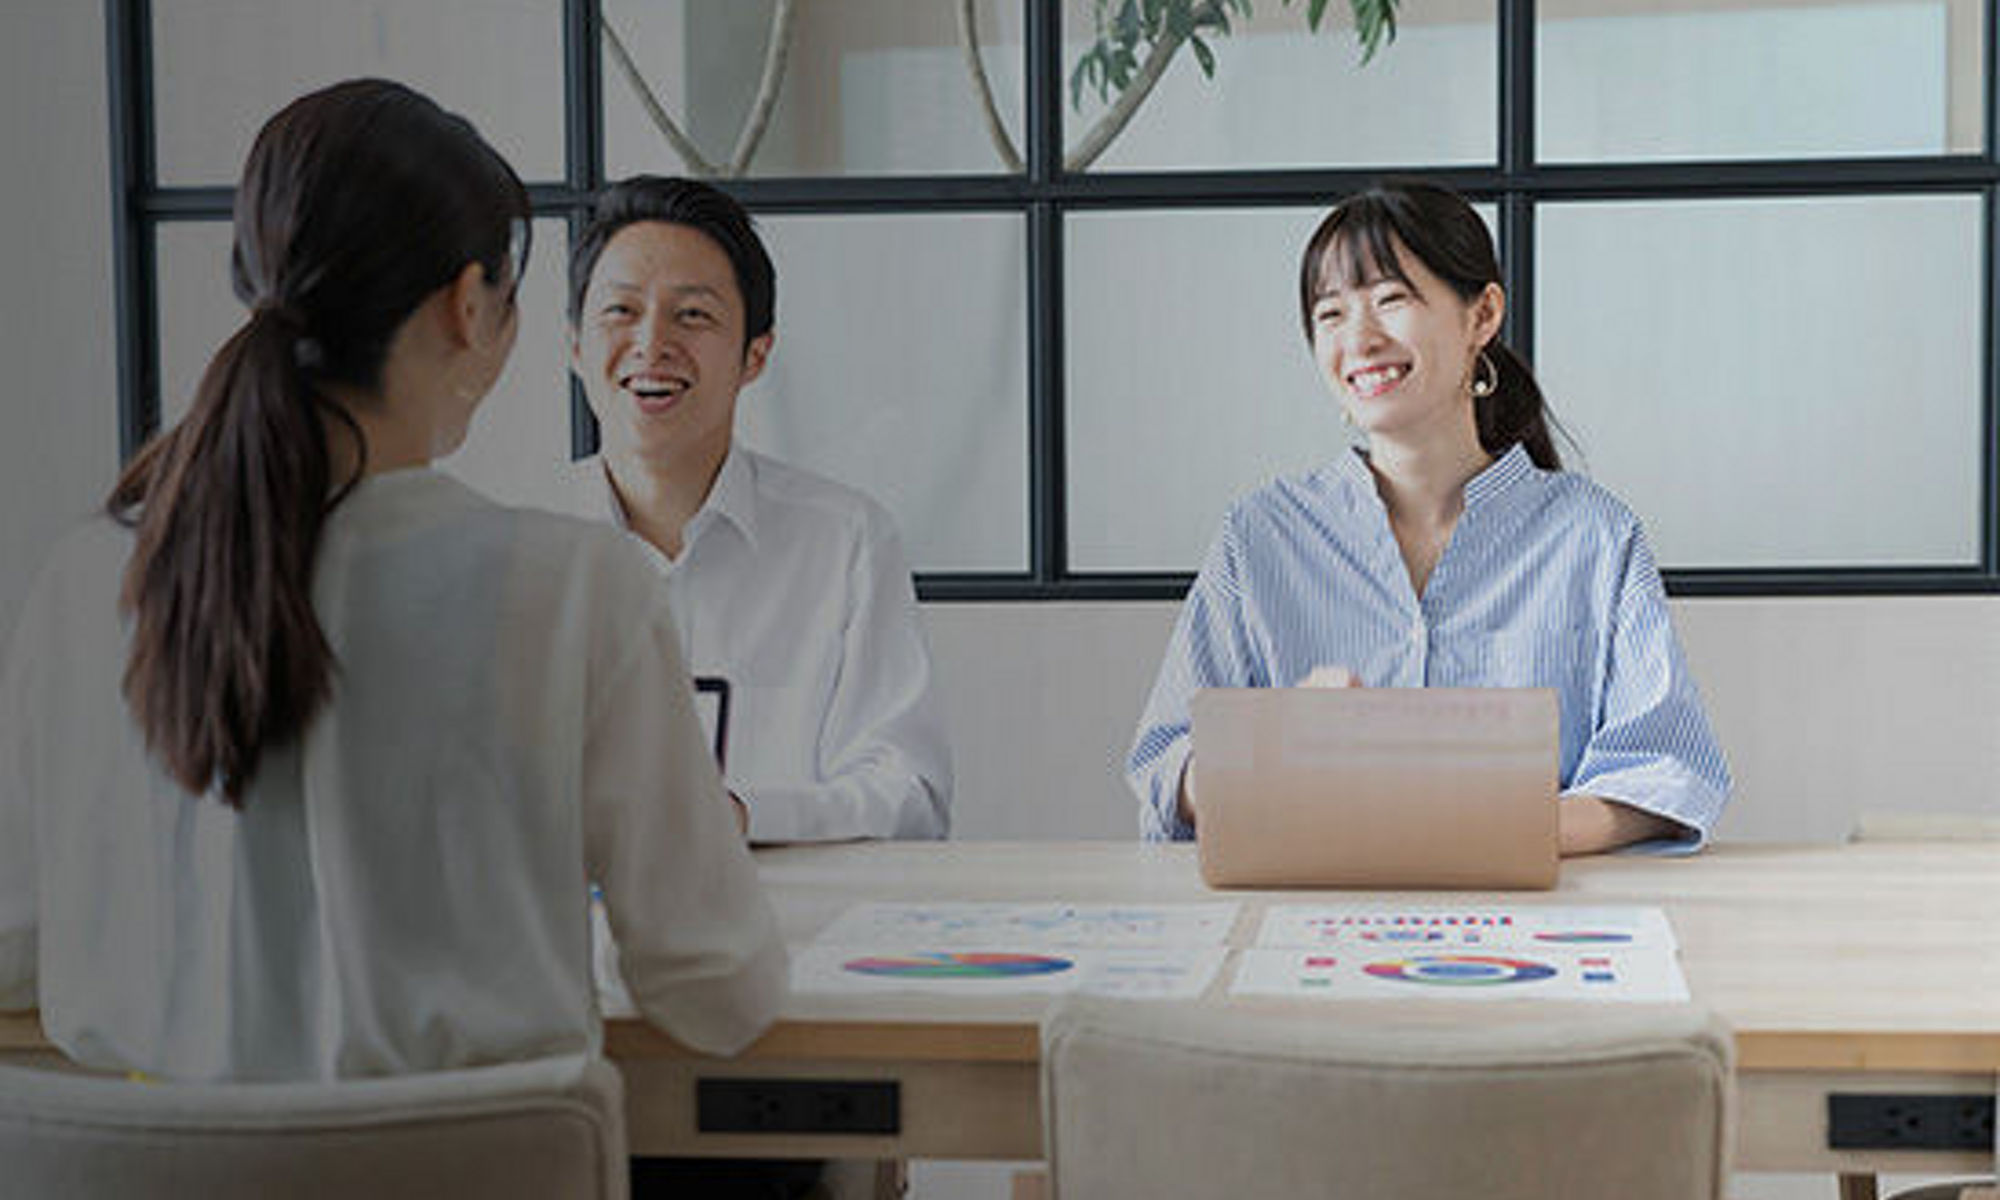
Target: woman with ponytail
[[1453, 551], [309, 754]]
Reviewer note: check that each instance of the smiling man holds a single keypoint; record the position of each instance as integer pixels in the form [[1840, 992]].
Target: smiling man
[[791, 587]]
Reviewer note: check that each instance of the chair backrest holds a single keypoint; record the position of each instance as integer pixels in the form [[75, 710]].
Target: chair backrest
[[1157, 1100], [547, 1129]]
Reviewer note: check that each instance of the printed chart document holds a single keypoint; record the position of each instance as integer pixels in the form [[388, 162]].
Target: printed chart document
[[1480, 925], [965, 924], [1159, 972], [1361, 951], [1161, 951]]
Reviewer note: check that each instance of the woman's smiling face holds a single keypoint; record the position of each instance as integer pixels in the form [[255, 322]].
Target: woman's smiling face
[[1396, 343]]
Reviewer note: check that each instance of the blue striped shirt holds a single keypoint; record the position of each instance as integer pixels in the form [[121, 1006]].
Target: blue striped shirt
[[1546, 582]]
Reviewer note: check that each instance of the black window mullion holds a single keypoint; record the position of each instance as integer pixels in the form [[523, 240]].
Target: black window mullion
[[1989, 470], [1517, 166], [1517, 89], [1048, 520], [1989, 85], [583, 164], [583, 96], [128, 47], [1042, 98], [1517, 271], [1989, 454], [1048, 549]]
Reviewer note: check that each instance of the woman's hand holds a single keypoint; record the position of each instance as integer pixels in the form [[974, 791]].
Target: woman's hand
[[1593, 825]]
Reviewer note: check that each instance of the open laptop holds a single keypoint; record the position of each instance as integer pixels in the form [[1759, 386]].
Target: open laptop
[[1376, 787]]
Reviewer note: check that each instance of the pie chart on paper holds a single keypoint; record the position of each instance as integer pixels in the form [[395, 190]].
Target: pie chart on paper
[[957, 965]]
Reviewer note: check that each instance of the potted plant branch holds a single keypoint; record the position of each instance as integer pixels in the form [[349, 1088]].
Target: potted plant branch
[[1134, 42]]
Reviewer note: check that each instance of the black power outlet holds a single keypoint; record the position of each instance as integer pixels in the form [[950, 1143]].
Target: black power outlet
[[1919, 1122], [798, 1106]]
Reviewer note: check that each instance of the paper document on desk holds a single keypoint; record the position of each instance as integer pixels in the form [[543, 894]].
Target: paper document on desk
[[1359, 971], [958, 924], [966, 948], [1480, 951], [1159, 972], [1435, 926]]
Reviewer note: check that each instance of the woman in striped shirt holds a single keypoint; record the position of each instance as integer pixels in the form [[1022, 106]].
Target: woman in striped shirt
[[1453, 552]]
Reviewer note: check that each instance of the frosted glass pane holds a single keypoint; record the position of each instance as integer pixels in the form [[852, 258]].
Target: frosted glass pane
[[1658, 79], [222, 67], [901, 369], [1190, 381], [1778, 383], [520, 435], [519, 438], [870, 87], [197, 309], [1283, 96]]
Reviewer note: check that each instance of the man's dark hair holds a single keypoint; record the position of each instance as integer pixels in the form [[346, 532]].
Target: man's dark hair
[[686, 202]]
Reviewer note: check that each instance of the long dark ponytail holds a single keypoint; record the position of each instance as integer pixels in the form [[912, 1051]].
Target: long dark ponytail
[[1357, 241], [357, 202]]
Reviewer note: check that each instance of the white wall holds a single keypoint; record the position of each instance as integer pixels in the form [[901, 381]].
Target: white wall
[[58, 343]]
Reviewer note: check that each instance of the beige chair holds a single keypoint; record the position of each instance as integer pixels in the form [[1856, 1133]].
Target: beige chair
[[1153, 1100], [525, 1131]]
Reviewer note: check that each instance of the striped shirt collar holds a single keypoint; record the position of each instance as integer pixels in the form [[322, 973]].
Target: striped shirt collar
[[1495, 480]]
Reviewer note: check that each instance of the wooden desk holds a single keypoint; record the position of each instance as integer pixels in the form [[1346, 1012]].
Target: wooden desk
[[1853, 968], [1849, 968]]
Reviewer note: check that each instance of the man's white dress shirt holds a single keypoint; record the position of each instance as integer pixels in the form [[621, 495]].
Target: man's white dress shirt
[[794, 589]]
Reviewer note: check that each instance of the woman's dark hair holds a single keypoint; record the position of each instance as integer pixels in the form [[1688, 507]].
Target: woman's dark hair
[[1357, 243], [357, 203], [696, 205]]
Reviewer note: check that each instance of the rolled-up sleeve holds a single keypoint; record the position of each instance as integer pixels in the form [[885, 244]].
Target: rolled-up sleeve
[[1651, 746], [1211, 646], [699, 945]]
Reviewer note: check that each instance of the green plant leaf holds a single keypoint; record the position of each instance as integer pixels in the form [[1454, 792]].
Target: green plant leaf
[[1375, 24], [1127, 25], [1127, 30], [1204, 56]]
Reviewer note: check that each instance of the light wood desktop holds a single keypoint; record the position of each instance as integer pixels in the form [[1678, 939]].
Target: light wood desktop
[[1860, 968]]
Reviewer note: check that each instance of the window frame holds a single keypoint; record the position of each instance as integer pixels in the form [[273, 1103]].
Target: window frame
[[1043, 194]]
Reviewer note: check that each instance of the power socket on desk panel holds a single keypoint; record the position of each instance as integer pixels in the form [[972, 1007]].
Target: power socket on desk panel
[[1919, 1122], [798, 1106]]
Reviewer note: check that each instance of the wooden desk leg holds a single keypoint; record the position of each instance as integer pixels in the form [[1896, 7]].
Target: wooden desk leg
[[1857, 1187]]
